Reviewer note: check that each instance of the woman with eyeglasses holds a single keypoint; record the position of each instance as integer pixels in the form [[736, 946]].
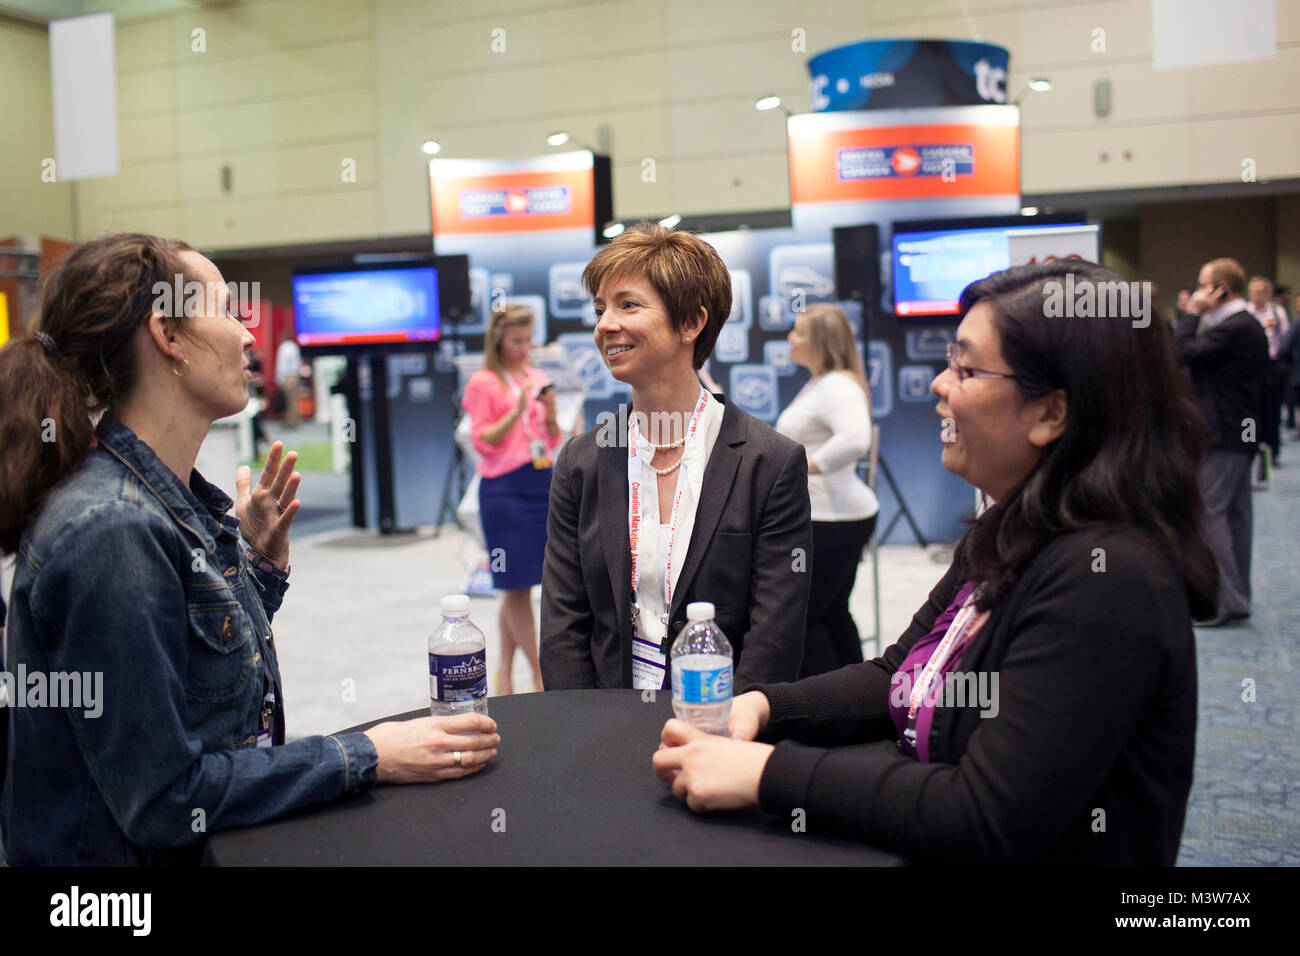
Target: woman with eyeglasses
[[1041, 707]]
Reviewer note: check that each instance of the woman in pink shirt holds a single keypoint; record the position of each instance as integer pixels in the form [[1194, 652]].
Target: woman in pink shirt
[[512, 421]]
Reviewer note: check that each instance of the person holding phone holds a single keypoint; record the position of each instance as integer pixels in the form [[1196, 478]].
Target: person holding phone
[[513, 424], [1226, 351]]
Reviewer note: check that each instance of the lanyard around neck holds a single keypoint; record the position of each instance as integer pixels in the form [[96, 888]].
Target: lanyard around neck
[[635, 480], [963, 626]]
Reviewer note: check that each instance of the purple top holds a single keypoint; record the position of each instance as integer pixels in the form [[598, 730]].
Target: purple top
[[901, 684]]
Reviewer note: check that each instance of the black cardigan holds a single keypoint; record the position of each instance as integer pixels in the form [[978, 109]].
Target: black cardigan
[[1097, 712]]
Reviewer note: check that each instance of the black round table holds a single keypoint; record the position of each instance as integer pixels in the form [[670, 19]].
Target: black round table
[[571, 785]]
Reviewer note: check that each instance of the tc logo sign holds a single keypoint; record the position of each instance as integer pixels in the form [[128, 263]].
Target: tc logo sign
[[991, 82]]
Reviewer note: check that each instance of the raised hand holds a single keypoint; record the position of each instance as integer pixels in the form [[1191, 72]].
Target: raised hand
[[267, 509]]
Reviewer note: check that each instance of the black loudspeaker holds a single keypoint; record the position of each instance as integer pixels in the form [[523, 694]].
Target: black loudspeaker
[[453, 286], [857, 264]]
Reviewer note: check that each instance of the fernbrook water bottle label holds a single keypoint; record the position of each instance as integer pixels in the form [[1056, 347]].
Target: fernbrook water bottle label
[[457, 677], [706, 687]]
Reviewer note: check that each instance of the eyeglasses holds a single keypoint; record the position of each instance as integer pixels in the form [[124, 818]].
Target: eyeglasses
[[964, 372]]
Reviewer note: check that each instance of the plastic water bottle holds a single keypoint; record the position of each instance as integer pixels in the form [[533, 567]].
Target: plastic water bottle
[[701, 668], [457, 662]]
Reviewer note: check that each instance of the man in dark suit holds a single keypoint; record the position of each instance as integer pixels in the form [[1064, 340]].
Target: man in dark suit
[[749, 554], [1226, 351]]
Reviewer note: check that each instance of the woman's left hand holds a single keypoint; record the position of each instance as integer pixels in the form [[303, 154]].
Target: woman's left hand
[[266, 511], [707, 771]]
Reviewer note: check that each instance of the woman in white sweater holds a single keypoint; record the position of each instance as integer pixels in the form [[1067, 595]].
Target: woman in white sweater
[[831, 418]]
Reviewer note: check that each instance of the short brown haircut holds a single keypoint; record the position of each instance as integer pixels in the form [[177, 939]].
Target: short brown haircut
[[1230, 273], [684, 270]]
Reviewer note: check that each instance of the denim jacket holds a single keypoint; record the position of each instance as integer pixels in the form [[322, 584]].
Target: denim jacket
[[128, 574]]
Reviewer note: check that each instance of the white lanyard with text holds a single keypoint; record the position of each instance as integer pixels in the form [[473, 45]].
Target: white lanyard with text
[[634, 479], [968, 620]]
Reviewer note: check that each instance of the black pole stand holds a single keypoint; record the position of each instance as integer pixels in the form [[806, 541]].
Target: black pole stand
[[903, 510]]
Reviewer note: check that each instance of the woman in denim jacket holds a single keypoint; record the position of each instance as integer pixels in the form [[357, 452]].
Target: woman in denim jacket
[[137, 613]]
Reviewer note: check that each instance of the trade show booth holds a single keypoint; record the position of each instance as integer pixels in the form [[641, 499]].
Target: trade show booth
[[904, 187]]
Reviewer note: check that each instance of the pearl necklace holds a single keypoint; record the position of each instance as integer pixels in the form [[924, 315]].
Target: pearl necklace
[[663, 472], [677, 444]]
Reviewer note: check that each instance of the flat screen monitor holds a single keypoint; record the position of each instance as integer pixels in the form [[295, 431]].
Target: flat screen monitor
[[934, 260], [372, 305]]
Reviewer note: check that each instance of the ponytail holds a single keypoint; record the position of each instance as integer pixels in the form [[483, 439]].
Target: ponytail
[[78, 361], [45, 431]]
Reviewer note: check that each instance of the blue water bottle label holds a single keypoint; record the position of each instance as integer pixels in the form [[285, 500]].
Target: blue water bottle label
[[454, 678], [706, 687]]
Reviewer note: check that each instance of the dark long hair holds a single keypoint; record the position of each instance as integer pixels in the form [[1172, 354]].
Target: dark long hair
[[1134, 436], [91, 305]]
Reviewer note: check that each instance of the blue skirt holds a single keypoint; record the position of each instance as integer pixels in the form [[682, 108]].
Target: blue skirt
[[513, 508]]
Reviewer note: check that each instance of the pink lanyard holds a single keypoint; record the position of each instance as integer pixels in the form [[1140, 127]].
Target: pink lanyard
[[963, 626], [634, 476]]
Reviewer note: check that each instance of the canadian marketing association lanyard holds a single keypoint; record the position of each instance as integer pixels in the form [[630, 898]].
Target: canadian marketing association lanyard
[[968, 620], [635, 478]]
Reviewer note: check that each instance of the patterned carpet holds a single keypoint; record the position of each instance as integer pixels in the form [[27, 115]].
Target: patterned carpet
[[1245, 803]]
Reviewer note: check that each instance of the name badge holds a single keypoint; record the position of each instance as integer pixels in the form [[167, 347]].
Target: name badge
[[537, 448], [647, 676]]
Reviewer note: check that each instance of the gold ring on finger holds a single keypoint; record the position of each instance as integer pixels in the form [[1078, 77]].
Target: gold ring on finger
[[456, 756]]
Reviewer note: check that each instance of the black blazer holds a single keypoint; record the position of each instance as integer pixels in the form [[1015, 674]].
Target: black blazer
[[1229, 366], [752, 516], [1096, 711]]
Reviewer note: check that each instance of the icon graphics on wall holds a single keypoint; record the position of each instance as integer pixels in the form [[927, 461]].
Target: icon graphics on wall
[[803, 274], [569, 300], [930, 345], [732, 345], [777, 355], [774, 314], [742, 298], [914, 383], [590, 367], [879, 367], [753, 389]]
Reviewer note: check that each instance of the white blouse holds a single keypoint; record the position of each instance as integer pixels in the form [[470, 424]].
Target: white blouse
[[829, 418], [657, 515]]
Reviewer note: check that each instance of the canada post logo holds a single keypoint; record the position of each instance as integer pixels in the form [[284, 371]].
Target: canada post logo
[[904, 162], [537, 201]]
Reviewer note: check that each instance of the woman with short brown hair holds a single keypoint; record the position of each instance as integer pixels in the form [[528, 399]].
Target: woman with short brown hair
[[685, 499]]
